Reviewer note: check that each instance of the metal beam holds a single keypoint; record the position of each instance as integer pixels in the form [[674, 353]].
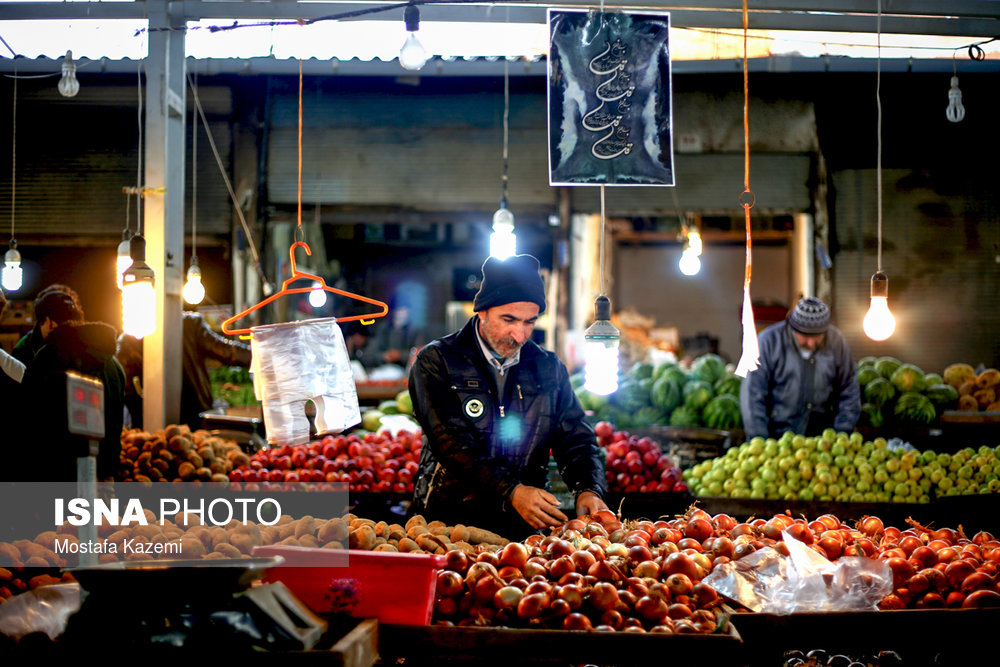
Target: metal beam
[[971, 18], [164, 213]]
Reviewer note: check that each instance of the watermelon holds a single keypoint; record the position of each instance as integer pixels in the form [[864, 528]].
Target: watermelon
[[866, 361], [684, 417], [943, 396], [932, 378], [879, 391], [697, 394], [576, 380], [874, 414], [866, 374], [908, 378], [641, 370], [665, 394], [590, 401], [709, 368], [728, 385], [631, 395], [723, 412], [677, 374], [886, 366], [648, 416], [914, 407]]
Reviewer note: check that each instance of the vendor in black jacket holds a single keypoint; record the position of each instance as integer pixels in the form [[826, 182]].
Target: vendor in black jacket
[[492, 404]]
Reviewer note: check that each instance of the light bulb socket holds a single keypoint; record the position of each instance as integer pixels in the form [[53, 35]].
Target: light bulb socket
[[411, 17], [194, 269], [126, 234], [602, 308], [880, 285], [12, 255], [139, 271]]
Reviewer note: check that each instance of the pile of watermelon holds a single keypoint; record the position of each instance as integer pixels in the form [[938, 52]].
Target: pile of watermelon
[[894, 393], [705, 394]]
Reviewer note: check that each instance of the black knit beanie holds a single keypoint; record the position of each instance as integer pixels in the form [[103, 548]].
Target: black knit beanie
[[811, 316], [509, 281]]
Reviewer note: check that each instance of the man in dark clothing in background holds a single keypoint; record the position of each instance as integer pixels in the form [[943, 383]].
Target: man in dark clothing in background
[[201, 344], [68, 344], [25, 349]]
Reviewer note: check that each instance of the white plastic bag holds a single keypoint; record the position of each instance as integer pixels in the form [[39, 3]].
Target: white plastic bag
[[295, 362]]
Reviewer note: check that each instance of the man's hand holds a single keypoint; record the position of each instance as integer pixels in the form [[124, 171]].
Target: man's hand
[[589, 502], [537, 506]]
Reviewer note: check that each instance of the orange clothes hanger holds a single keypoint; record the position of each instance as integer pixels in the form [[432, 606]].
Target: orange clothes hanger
[[285, 290]]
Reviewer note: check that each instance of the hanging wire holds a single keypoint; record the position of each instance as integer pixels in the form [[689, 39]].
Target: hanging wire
[[603, 293], [747, 197], [13, 153], [506, 118], [298, 198], [878, 106], [138, 171], [229, 184], [194, 184]]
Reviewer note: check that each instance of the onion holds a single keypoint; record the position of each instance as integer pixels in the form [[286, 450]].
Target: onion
[[612, 618], [651, 608], [982, 598], [449, 583], [514, 554], [978, 581], [679, 584], [678, 611], [478, 570], [508, 597], [572, 595], [457, 561], [486, 588], [699, 528], [531, 606], [603, 596], [582, 560]]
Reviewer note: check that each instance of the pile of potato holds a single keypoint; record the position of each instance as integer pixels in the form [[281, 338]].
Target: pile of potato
[[418, 535], [178, 454]]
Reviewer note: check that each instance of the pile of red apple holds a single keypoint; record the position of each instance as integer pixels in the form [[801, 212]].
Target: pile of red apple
[[634, 463], [379, 462]]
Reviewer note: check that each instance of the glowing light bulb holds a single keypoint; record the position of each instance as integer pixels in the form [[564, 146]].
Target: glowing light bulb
[[317, 297], [689, 265], [68, 85], [138, 295], [879, 322], [503, 241], [124, 259], [694, 242], [194, 290], [412, 56], [13, 276], [955, 111], [600, 351]]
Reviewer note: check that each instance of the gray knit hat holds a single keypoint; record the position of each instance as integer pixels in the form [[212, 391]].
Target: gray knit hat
[[811, 316]]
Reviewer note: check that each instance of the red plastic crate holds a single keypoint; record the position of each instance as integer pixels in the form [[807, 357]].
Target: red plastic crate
[[392, 587]]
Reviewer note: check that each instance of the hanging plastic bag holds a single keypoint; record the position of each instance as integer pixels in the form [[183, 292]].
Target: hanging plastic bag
[[295, 362]]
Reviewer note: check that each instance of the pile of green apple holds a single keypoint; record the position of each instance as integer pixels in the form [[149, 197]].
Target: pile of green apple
[[844, 467]]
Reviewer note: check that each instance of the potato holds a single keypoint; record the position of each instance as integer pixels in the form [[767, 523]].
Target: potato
[[362, 537], [138, 555], [414, 520], [194, 459], [269, 534], [243, 542], [305, 526], [9, 553], [385, 547], [290, 541], [382, 529], [227, 550], [308, 540], [334, 530], [186, 471], [46, 539], [406, 545], [333, 545]]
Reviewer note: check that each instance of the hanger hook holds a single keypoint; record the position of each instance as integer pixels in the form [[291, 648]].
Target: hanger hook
[[291, 253]]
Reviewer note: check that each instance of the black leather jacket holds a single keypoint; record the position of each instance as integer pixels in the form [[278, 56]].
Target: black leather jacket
[[478, 446]]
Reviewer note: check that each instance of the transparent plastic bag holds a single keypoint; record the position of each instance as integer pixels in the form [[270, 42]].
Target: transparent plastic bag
[[804, 581], [295, 362], [44, 609]]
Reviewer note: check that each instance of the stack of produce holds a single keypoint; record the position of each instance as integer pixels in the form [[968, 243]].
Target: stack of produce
[[844, 468], [900, 394], [592, 573], [976, 392], [637, 464], [176, 454], [704, 395], [398, 409], [379, 462]]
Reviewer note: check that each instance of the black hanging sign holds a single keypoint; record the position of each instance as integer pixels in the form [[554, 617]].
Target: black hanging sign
[[609, 98]]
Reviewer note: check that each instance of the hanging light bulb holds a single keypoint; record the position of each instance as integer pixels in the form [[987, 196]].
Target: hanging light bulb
[[879, 322], [694, 242], [138, 296], [194, 290], [955, 111], [690, 264], [412, 56], [317, 297], [600, 351], [503, 241], [68, 85], [124, 259], [12, 273]]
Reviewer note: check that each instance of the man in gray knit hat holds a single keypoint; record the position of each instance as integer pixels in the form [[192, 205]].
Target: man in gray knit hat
[[492, 405], [806, 380]]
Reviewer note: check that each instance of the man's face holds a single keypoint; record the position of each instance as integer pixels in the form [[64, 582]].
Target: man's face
[[808, 341], [506, 328]]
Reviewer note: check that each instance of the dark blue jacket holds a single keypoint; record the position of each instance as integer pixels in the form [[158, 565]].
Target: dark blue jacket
[[804, 396], [479, 446]]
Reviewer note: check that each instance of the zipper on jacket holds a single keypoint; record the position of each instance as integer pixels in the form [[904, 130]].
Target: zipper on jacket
[[519, 396], [502, 415]]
